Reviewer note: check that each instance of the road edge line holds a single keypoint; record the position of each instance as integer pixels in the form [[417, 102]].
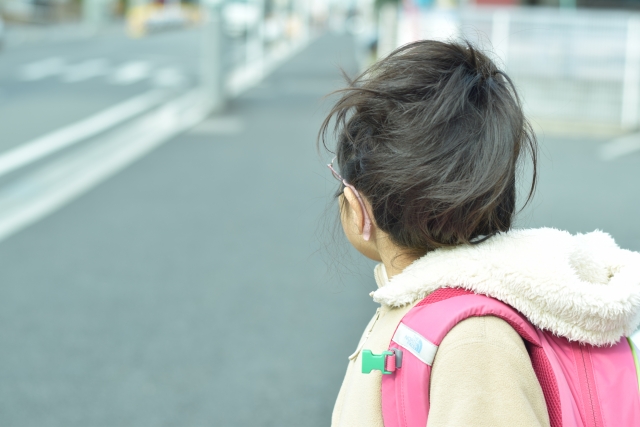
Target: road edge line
[[38, 148], [82, 179]]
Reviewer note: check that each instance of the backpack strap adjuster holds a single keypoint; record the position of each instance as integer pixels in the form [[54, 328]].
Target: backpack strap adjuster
[[387, 362]]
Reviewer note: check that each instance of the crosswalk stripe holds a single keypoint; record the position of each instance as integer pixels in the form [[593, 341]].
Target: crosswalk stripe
[[41, 69], [85, 70], [168, 77], [125, 74], [131, 72]]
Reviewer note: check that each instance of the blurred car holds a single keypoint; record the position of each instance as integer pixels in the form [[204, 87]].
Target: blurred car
[[155, 17], [167, 17]]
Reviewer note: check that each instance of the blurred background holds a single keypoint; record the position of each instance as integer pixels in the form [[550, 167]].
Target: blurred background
[[168, 250]]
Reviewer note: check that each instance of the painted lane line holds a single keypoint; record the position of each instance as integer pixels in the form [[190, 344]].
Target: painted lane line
[[620, 147], [168, 77], [48, 144], [130, 73], [61, 181], [42, 69], [85, 70], [221, 125]]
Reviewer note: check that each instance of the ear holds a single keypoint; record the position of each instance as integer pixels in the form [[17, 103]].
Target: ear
[[353, 224], [356, 214]]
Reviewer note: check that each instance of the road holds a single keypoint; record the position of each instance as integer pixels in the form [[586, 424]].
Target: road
[[193, 288], [44, 87], [580, 192], [206, 284]]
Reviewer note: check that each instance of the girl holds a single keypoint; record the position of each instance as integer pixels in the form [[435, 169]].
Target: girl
[[428, 144]]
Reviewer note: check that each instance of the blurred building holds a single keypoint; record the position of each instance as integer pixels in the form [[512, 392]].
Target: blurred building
[[604, 4], [576, 63], [40, 11]]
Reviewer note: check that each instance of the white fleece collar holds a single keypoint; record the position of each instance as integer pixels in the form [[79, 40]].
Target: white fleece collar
[[582, 287]]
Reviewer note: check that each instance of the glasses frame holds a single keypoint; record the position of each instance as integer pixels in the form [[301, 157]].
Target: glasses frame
[[366, 229]]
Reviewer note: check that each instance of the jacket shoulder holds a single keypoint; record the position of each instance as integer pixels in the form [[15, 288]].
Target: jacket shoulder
[[482, 376], [488, 329]]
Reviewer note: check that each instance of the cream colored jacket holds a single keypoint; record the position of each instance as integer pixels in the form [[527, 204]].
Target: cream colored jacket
[[583, 287]]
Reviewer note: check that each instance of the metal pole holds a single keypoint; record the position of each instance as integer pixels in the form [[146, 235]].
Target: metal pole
[[95, 13], [631, 81], [304, 17], [500, 35], [387, 29], [212, 64], [255, 39]]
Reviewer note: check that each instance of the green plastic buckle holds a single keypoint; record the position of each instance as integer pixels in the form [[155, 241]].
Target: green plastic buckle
[[375, 362]]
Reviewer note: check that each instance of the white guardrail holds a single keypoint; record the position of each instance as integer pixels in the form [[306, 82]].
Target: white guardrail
[[573, 66]]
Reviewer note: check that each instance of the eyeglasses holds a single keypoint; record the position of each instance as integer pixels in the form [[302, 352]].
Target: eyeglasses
[[366, 230]]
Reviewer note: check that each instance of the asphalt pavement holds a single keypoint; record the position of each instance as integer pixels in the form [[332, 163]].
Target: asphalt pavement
[[44, 87], [199, 286], [580, 192], [206, 284]]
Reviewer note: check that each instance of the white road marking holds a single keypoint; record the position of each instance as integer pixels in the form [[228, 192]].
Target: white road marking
[[620, 147], [130, 73], [222, 125], [168, 77], [85, 70], [36, 149], [56, 184], [42, 69]]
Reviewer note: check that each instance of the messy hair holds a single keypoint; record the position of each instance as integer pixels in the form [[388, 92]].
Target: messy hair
[[432, 135]]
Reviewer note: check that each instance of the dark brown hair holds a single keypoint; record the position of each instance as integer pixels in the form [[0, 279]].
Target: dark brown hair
[[432, 136]]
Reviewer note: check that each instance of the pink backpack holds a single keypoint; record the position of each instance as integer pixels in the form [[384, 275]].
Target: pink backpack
[[583, 385]]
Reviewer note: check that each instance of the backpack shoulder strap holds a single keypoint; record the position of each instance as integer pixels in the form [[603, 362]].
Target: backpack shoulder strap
[[583, 385], [405, 393]]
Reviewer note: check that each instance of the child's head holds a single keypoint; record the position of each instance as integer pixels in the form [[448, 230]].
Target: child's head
[[430, 137]]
